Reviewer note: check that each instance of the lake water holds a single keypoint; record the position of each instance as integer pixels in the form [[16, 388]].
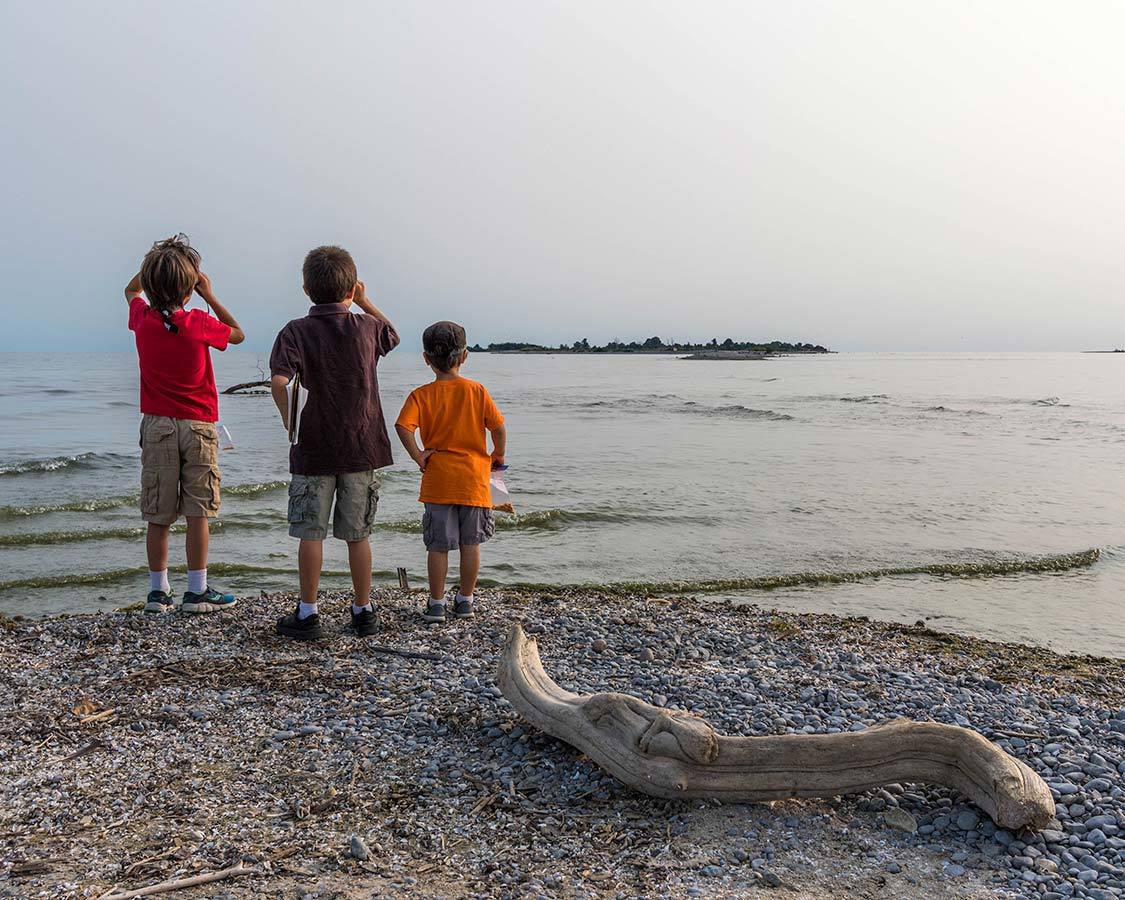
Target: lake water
[[649, 469]]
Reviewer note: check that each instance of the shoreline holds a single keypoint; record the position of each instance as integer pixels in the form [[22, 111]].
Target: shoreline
[[138, 749], [795, 592]]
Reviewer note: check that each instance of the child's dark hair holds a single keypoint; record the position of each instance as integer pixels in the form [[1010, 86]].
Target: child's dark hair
[[444, 342], [329, 274], [169, 273]]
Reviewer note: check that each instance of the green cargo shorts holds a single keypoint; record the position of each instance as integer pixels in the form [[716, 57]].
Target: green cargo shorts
[[310, 506]]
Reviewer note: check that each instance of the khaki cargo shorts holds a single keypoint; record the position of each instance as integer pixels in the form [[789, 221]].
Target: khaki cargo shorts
[[179, 469], [310, 506]]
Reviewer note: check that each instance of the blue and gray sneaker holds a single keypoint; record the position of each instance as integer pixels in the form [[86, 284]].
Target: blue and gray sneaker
[[210, 600], [158, 602]]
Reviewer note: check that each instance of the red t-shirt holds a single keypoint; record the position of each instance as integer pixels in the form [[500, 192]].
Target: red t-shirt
[[176, 375]]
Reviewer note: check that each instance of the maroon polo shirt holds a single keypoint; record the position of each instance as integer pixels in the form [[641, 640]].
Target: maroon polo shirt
[[336, 353]]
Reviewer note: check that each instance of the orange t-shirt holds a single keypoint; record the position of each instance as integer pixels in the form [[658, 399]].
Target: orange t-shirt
[[453, 416]]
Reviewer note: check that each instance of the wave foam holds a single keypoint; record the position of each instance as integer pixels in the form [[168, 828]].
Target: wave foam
[[992, 568], [51, 464]]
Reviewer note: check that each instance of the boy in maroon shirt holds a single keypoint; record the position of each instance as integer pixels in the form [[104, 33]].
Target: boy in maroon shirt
[[179, 441], [342, 436]]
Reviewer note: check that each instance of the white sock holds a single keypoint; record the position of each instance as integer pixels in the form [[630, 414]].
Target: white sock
[[158, 581], [196, 581], [461, 598], [307, 609], [440, 601], [358, 609]]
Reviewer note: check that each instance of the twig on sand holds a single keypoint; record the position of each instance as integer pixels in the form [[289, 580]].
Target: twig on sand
[[92, 747], [181, 883], [408, 654]]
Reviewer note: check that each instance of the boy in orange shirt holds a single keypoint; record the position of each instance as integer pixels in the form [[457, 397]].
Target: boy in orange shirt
[[452, 413]]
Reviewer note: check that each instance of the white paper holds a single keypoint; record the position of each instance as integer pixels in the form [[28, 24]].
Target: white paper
[[501, 496], [296, 406]]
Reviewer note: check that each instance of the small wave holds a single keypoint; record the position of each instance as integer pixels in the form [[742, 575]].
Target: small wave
[[549, 520], [98, 504], [57, 392], [1019, 566], [255, 489], [642, 401], [738, 411], [674, 404], [112, 576], [865, 398], [46, 538], [51, 464], [959, 412]]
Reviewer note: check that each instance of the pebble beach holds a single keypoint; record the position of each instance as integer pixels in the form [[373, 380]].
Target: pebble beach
[[137, 750]]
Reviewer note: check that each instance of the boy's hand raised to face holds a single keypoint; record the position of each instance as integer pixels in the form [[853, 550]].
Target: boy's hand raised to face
[[359, 298], [203, 286]]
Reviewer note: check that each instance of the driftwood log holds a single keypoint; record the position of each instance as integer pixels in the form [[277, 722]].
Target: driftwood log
[[673, 754]]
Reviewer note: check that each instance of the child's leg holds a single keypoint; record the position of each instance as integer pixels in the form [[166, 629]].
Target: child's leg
[[470, 566], [359, 561], [159, 590], [157, 546], [200, 500], [437, 565], [310, 558], [198, 543]]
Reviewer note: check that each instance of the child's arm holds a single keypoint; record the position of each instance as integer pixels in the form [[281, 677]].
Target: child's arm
[[499, 444], [133, 288], [420, 456], [278, 384], [203, 288], [359, 298]]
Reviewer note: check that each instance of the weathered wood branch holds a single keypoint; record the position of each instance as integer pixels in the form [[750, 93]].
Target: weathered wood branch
[[673, 754], [180, 884], [246, 386]]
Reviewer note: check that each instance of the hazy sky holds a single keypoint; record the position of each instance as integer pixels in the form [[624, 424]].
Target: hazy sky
[[869, 175]]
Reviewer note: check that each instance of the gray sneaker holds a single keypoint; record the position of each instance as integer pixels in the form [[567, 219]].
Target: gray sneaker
[[435, 611], [158, 602], [463, 607]]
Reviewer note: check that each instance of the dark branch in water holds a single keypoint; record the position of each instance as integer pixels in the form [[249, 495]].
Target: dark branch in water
[[246, 387]]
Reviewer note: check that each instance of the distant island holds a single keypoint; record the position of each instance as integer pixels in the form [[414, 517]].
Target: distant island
[[714, 349]]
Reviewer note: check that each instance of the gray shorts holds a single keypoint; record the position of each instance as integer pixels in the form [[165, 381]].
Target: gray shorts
[[446, 527], [310, 506]]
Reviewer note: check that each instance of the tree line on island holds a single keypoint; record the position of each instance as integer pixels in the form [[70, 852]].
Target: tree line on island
[[651, 345]]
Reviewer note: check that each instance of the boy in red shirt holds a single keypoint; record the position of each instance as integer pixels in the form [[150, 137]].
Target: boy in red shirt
[[179, 441], [452, 414]]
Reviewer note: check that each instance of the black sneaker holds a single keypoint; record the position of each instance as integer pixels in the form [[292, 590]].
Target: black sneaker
[[363, 622], [158, 602], [210, 600], [306, 629], [435, 611], [463, 607]]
